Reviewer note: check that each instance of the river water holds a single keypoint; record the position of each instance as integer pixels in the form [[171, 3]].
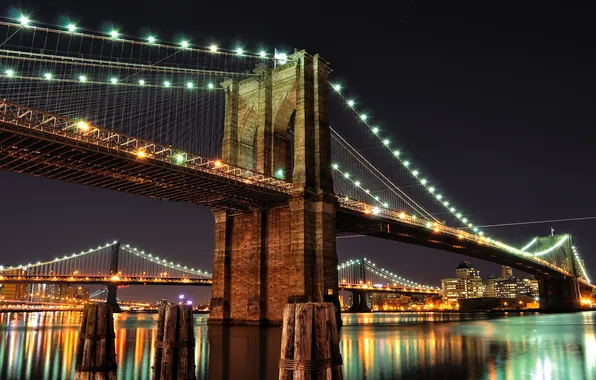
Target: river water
[[373, 346]]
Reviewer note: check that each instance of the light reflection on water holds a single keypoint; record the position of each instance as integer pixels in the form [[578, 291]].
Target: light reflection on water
[[374, 346]]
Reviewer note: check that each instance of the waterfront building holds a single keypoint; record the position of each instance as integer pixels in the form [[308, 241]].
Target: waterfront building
[[466, 284]]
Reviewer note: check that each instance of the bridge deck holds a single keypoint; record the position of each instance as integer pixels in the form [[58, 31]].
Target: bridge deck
[[46, 145]]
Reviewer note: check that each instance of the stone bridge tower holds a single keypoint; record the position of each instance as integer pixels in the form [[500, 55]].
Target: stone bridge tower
[[277, 124]]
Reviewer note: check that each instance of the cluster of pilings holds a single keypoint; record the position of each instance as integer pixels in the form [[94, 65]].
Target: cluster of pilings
[[309, 347]]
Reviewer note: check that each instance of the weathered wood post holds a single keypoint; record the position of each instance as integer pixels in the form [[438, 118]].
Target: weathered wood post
[[96, 351], [310, 343], [175, 343]]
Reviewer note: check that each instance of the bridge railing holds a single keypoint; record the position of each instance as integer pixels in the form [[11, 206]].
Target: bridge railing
[[81, 131]]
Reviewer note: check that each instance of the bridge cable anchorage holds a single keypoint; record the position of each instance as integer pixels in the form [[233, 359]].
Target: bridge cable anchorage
[[390, 151]]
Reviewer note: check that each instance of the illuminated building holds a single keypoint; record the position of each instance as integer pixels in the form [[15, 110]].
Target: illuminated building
[[14, 292], [467, 283], [506, 272], [515, 287], [449, 287], [82, 293]]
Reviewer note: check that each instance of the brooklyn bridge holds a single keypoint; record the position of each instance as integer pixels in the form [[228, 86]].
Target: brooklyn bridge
[[271, 143]]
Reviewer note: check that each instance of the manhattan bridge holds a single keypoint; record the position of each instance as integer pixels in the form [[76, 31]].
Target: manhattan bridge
[[281, 153]]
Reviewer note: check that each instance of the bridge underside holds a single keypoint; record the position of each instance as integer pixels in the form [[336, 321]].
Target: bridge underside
[[25, 150], [353, 222]]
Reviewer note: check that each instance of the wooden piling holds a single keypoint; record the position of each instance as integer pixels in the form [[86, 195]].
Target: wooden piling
[[96, 357], [175, 344], [310, 343]]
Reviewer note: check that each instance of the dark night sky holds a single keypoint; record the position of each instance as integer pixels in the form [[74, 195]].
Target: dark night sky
[[496, 100]]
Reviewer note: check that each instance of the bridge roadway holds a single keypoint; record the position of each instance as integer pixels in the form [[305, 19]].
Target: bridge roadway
[[47, 145], [102, 280]]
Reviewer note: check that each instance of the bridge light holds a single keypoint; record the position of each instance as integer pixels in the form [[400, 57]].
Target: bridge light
[[347, 175], [82, 78], [402, 215], [452, 209], [141, 154], [357, 183], [375, 210], [337, 87], [423, 181], [439, 196], [375, 130], [217, 164], [396, 153], [351, 103], [151, 39], [239, 51], [184, 44], [9, 73], [386, 142], [167, 83], [114, 33], [406, 163], [213, 48], [386, 205], [428, 224], [210, 86], [24, 20], [280, 173], [415, 172], [431, 189], [465, 220], [141, 82], [114, 80], [82, 125], [413, 216], [71, 27], [48, 76], [180, 158], [475, 229], [363, 117], [262, 54]]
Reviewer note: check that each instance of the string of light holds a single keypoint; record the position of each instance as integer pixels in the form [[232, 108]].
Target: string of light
[[72, 28], [114, 81], [164, 262], [579, 260], [57, 259], [406, 163]]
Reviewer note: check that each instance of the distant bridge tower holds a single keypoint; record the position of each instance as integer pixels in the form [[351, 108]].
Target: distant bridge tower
[[277, 124], [112, 288]]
